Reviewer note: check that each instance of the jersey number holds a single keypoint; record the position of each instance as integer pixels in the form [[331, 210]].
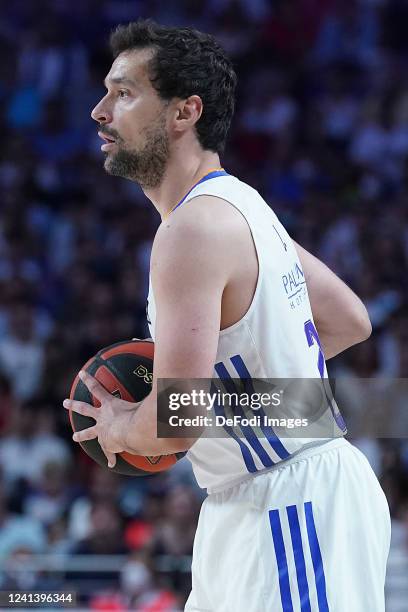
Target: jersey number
[[312, 337]]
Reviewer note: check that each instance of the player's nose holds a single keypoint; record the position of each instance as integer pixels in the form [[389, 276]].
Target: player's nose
[[101, 113]]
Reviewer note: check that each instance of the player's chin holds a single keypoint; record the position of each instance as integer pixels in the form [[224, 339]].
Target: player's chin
[[109, 163]]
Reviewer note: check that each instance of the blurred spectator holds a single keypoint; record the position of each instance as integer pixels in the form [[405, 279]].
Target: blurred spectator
[[50, 499], [103, 488], [21, 353], [18, 534], [175, 533], [106, 531], [138, 584], [31, 444]]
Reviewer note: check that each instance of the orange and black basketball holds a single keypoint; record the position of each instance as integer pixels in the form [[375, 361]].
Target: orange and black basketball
[[125, 369]]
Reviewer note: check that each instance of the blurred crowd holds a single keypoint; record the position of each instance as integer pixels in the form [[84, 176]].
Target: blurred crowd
[[321, 130]]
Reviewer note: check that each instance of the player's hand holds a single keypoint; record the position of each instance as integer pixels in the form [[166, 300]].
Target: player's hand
[[112, 418]]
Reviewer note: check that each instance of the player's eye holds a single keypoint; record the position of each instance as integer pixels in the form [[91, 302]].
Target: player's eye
[[122, 93]]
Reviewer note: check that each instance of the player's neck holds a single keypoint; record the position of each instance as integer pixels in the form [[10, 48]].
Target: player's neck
[[183, 171]]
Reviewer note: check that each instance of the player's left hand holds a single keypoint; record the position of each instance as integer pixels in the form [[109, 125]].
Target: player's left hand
[[113, 418]]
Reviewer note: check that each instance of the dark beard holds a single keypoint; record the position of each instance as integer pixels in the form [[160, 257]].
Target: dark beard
[[147, 166]]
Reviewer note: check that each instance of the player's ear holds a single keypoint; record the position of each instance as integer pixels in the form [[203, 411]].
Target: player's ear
[[188, 112]]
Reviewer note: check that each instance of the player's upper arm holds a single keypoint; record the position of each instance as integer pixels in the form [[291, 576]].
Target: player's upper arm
[[188, 280]]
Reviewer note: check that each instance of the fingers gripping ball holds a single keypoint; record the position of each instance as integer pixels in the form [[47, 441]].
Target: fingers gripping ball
[[125, 369]]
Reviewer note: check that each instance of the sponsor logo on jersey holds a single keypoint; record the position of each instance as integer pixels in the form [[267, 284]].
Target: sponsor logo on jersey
[[294, 284], [293, 279]]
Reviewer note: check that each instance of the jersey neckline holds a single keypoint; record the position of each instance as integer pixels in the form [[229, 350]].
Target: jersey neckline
[[210, 175]]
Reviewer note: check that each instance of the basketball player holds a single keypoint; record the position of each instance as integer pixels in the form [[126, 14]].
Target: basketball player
[[289, 524]]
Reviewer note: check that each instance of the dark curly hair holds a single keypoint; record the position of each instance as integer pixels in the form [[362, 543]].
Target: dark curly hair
[[186, 62]]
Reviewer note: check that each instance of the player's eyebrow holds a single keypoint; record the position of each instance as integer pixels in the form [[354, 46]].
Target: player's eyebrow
[[120, 80]]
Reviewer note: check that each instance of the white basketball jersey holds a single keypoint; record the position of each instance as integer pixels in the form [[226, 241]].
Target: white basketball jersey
[[276, 338]]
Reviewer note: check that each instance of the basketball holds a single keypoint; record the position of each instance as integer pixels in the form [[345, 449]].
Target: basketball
[[125, 369]]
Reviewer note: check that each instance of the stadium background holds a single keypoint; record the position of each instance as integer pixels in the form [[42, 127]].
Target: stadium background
[[321, 129]]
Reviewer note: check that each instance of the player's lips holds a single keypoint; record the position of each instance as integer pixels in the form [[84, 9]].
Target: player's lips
[[107, 146], [109, 141], [105, 137]]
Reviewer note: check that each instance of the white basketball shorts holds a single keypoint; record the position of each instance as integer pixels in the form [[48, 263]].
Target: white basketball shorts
[[311, 535]]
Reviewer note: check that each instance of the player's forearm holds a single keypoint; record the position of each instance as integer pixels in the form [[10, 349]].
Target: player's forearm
[[340, 316], [342, 330], [341, 319], [141, 437]]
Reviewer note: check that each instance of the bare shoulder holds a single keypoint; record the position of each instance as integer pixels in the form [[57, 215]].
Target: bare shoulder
[[204, 255], [196, 229], [190, 246]]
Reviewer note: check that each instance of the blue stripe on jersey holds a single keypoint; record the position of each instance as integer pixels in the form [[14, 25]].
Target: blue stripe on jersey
[[246, 453], [246, 378], [297, 546], [207, 177], [248, 432], [282, 563], [316, 559], [312, 336]]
